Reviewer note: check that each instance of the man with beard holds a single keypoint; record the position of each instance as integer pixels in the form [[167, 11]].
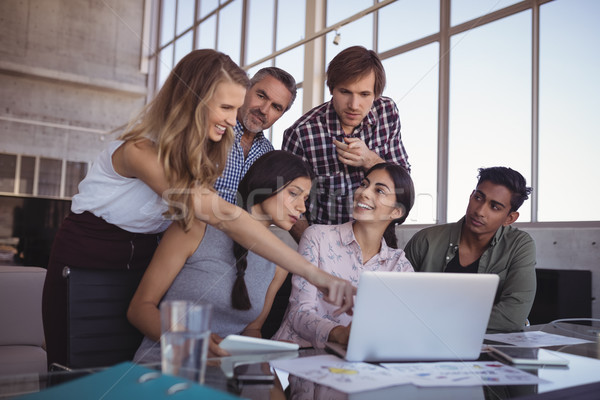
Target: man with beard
[[272, 92], [484, 242]]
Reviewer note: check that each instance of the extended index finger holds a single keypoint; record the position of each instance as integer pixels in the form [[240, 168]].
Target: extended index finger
[[347, 293], [340, 145], [352, 140]]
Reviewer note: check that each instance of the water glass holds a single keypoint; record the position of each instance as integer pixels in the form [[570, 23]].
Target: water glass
[[185, 332]]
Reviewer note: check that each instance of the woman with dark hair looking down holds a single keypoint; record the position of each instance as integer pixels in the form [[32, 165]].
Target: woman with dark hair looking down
[[205, 265]]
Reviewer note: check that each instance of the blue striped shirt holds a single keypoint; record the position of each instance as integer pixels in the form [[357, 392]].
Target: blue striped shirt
[[236, 166]]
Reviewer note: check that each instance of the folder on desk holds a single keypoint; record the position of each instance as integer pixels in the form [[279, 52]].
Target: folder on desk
[[129, 381]]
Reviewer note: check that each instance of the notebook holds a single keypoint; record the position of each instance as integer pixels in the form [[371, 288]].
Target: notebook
[[241, 345], [422, 316]]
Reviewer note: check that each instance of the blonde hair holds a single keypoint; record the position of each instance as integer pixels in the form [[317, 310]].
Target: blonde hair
[[176, 121]]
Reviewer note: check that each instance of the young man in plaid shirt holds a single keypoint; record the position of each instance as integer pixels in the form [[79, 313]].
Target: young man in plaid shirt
[[272, 92], [344, 137]]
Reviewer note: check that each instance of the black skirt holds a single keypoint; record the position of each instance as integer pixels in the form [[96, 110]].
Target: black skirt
[[86, 241]]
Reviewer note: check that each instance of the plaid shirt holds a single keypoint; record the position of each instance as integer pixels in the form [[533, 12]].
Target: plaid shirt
[[237, 166], [311, 137]]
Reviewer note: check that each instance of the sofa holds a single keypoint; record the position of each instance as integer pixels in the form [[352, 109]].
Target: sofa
[[21, 330]]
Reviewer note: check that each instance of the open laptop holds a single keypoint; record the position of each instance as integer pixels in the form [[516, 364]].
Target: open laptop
[[422, 316]]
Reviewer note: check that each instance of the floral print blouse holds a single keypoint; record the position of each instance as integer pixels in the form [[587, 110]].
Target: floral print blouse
[[334, 249]]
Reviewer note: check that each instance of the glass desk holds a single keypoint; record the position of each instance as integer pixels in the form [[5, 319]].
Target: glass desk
[[583, 369]]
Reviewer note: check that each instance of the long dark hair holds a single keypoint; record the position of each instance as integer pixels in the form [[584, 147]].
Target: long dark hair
[[405, 197], [268, 175]]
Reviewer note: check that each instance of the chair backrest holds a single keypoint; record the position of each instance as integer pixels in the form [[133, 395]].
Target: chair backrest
[[561, 293], [280, 303], [99, 333]]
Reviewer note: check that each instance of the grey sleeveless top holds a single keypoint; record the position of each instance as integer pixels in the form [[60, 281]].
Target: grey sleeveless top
[[208, 276]]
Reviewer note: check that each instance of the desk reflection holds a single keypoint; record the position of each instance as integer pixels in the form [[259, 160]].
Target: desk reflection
[[302, 389]]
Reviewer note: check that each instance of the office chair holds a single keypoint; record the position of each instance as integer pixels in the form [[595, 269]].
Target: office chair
[[280, 303], [99, 333]]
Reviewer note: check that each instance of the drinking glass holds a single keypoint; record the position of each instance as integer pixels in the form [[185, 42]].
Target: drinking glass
[[185, 332]]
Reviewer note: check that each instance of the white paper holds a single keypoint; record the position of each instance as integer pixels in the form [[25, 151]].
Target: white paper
[[534, 339], [344, 376], [465, 373], [352, 377]]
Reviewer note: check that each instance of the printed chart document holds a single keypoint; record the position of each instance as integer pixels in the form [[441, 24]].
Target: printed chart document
[[534, 339], [344, 376], [352, 377], [466, 373]]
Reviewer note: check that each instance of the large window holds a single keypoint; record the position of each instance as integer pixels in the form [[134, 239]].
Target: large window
[[405, 21], [359, 32], [490, 105], [569, 103], [467, 10], [413, 84], [39, 176], [478, 83]]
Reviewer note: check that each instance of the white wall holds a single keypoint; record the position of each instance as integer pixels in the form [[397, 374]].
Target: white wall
[[69, 71]]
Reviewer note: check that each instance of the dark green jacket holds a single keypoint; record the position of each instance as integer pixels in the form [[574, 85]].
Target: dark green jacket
[[511, 255]]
